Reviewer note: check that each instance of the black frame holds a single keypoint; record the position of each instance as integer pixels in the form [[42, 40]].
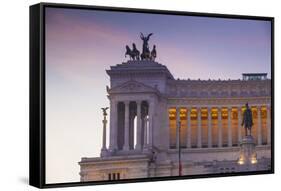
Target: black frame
[[37, 94]]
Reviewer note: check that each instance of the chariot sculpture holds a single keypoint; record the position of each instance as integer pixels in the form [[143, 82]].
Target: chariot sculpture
[[134, 53]]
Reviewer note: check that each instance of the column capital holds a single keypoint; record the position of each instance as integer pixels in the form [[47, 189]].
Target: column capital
[[138, 102], [114, 102], [126, 102], [151, 102], [239, 109]]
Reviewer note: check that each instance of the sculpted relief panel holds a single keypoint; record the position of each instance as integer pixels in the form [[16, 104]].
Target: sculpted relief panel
[[132, 87]]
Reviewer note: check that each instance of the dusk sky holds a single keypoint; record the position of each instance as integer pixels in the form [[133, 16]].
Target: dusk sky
[[82, 44]]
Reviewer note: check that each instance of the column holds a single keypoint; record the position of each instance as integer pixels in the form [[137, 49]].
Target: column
[[209, 127], [219, 128], [131, 130], [259, 125], [188, 128], [145, 132], [104, 121], [113, 125], [167, 129], [199, 128], [239, 124], [138, 145], [126, 135], [151, 116], [229, 132], [268, 124], [177, 127]]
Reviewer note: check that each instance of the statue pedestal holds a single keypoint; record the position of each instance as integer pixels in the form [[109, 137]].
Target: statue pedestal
[[248, 157]]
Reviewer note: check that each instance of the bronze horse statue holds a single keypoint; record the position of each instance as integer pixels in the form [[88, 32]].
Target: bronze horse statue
[[134, 54]]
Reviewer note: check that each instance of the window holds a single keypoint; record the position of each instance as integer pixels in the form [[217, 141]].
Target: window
[[118, 176], [114, 176], [109, 176]]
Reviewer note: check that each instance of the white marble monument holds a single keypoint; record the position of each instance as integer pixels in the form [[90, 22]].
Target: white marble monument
[[146, 104]]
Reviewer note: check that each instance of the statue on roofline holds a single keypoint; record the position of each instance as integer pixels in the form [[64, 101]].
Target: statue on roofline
[[134, 53], [145, 55]]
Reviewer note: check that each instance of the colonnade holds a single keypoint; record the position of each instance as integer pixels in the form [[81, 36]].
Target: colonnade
[[126, 117], [220, 114]]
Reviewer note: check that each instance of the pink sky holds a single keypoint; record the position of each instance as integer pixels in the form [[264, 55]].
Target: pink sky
[[82, 44]]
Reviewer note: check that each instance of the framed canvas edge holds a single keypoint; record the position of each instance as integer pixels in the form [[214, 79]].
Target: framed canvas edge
[[37, 87], [36, 132]]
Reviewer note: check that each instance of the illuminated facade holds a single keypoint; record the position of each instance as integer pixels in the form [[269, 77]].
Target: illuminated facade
[[147, 105]]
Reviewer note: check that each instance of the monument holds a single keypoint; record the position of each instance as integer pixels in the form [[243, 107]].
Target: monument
[[248, 155], [160, 126]]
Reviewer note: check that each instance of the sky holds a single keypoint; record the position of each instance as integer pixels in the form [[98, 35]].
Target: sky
[[82, 44]]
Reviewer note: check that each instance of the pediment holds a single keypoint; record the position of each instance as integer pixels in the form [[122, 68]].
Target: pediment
[[133, 87]]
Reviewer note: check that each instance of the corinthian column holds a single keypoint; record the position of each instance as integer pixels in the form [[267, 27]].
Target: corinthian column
[[113, 126], [229, 133], [151, 116], [268, 124], [259, 125], [199, 128], [104, 121], [145, 132], [239, 125], [177, 127], [126, 135], [138, 146], [209, 127], [219, 127], [188, 128]]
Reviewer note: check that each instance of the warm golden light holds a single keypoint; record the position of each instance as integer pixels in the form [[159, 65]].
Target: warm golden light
[[263, 108], [172, 110], [254, 161], [204, 112], [172, 115], [183, 110], [241, 161], [254, 108]]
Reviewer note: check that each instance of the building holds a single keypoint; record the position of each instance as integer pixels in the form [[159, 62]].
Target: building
[[147, 104]]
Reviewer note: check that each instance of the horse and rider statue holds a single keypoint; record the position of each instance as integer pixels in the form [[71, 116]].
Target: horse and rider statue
[[146, 54]]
